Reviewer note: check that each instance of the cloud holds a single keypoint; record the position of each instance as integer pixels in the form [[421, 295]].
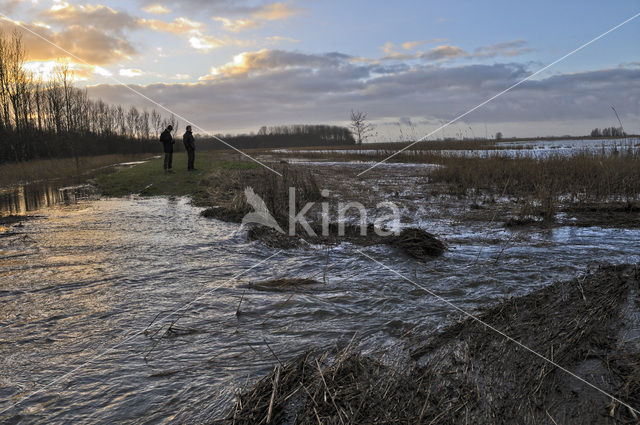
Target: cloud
[[98, 16], [445, 52], [266, 60], [9, 6], [412, 45], [275, 86], [88, 43], [277, 39], [131, 72], [192, 30], [94, 33], [257, 16], [235, 9], [236, 25], [506, 49], [449, 52], [274, 12], [205, 42], [178, 26], [156, 9]]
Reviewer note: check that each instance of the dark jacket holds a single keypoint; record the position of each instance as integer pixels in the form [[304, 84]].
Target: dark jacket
[[189, 141], [167, 141]]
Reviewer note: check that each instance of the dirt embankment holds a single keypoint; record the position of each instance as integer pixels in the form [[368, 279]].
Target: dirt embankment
[[469, 373]]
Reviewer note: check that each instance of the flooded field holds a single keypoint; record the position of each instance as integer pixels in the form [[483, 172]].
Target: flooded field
[[526, 149], [87, 281]]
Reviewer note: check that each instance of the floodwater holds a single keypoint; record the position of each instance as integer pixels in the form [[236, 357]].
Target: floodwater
[[82, 281], [523, 149]]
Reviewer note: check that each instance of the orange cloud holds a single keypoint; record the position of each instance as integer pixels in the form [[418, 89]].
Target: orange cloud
[[88, 43]]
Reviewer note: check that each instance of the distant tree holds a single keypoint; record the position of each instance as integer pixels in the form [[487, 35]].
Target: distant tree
[[156, 123], [360, 126], [596, 132], [613, 132], [499, 135]]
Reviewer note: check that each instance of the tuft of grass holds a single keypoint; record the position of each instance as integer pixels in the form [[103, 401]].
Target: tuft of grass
[[149, 179]]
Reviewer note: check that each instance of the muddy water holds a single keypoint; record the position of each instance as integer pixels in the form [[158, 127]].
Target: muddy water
[[90, 276]]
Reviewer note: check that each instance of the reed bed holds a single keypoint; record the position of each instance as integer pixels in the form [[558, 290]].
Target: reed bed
[[224, 192], [542, 187]]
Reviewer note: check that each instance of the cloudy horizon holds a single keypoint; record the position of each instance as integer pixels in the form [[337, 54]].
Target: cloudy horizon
[[233, 66]]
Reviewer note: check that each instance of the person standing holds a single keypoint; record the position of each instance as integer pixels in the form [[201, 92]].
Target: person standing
[[167, 144], [190, 145]]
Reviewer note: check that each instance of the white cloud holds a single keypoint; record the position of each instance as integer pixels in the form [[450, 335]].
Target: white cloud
[[236, 25], [156, 9], [131, 72]]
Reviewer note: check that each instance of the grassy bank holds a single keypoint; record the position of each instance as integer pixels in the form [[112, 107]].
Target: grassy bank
[[62, 168], [149, 179]]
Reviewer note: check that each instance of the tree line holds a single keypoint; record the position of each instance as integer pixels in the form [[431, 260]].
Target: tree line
[[282, 136], [608, 132], [53, 118]]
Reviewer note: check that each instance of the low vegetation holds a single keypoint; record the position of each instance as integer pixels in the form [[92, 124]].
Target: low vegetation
[[149, 179], [544, 186]]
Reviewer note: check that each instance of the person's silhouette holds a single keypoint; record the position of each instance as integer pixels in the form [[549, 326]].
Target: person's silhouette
[[167, 144], [190, 146]]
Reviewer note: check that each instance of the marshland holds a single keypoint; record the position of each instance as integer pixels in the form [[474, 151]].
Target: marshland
[[339, 308], [364, 268]]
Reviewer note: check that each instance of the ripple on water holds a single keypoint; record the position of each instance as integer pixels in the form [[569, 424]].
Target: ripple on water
[[87, 277]]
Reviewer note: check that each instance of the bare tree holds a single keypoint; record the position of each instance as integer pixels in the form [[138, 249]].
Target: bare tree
[[156, 123], [360, 126]]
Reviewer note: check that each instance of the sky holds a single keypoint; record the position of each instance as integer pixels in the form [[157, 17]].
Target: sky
[[411, 66]]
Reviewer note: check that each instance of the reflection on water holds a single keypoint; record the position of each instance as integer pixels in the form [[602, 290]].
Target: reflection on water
[[23, 199], [92, 276]]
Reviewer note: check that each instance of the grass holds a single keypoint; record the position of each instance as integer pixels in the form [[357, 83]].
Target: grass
[[63, 168], [149, 179]]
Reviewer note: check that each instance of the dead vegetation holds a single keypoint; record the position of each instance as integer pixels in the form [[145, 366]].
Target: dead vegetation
[[226, 189], [285, 283], [224, 192], [468, 373], [414, 242], [544, 187]]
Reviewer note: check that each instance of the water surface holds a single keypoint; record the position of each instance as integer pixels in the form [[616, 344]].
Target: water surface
[[89, 276]]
